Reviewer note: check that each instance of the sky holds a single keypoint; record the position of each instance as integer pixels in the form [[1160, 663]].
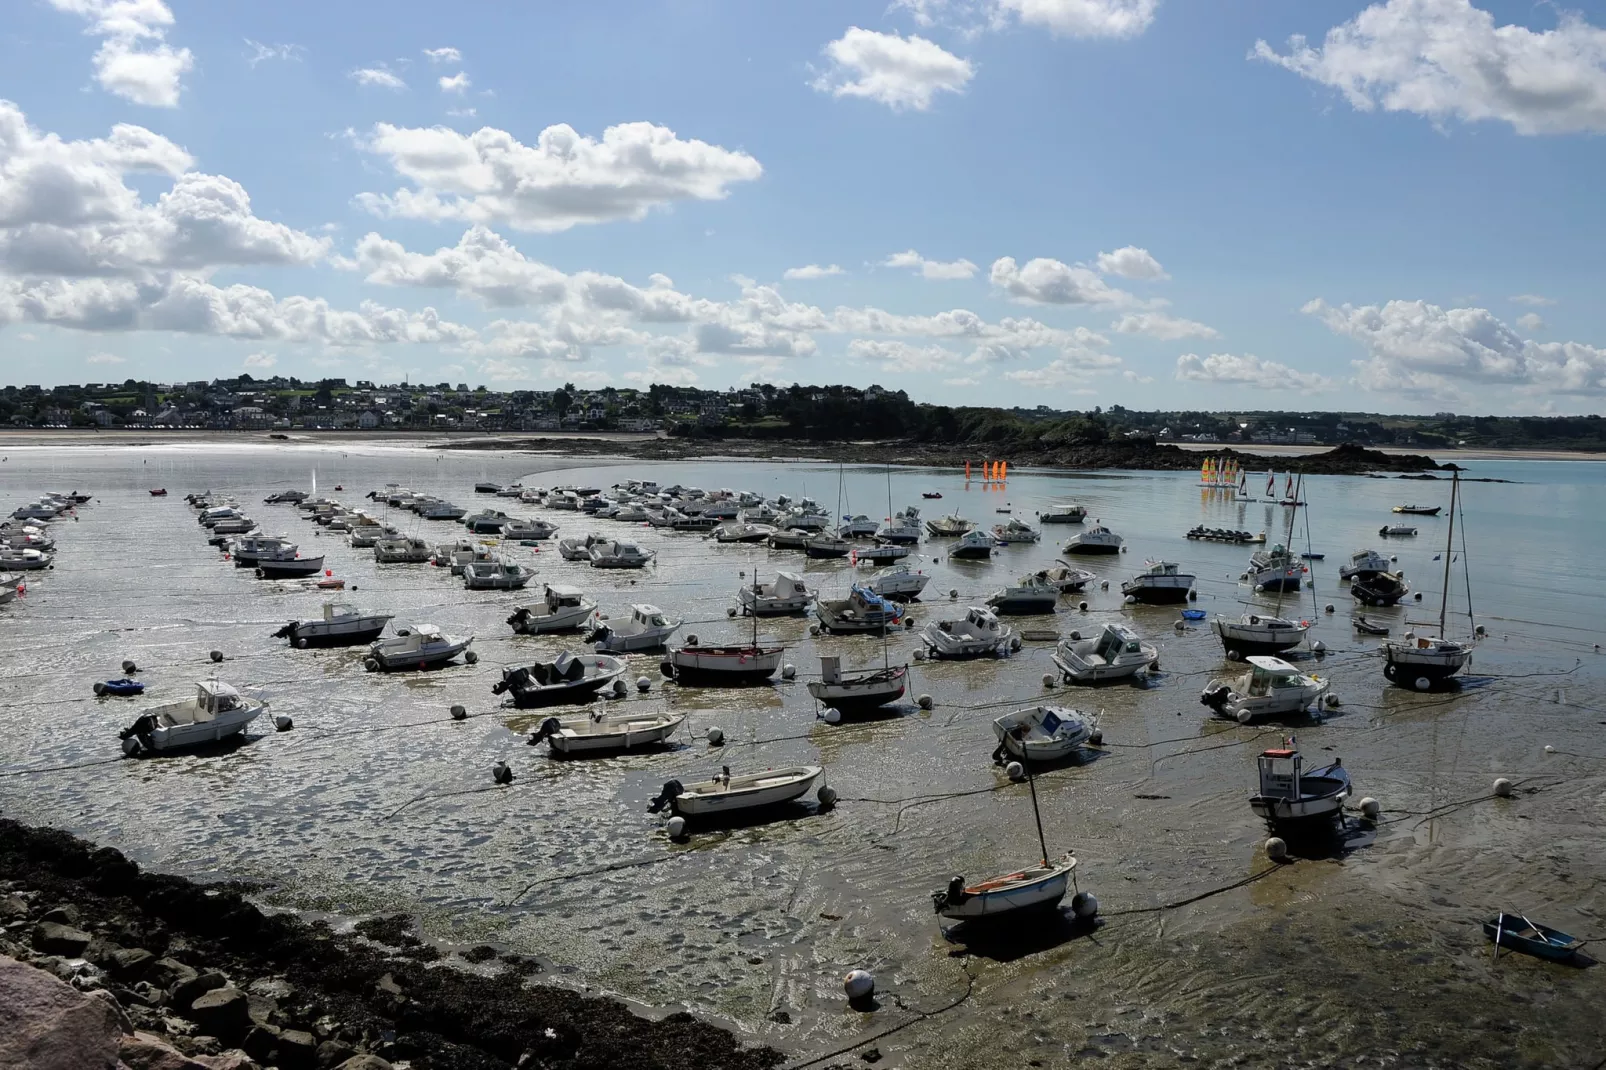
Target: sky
[[1390, 207]]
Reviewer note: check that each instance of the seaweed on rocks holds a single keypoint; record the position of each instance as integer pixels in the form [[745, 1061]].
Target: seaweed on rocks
[[306, 987]]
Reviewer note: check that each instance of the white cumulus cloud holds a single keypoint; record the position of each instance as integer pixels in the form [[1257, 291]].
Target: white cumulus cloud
[[932, 269], [1084, 18], [377, 76], [1163, 326], [1446, 59], [1533, 300], [444, 54], [260, 360], [1248, 370], [104, 358], [900, 72], [1042, 281], [134, 60], [457, 83], [899, 356], [812, 271], [1131, 262], [1532, 322], [563, 180]]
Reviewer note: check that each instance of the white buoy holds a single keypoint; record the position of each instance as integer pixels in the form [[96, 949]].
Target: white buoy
[[788, 672], [953, 592], [1105, 586], [1244, 716], [833, 716], [1015, 642], [1370, 807], [1276, 849], [1082, 606], [130, 746], [1180, 625], [1319, 647], [826, 795], [643, 684], [715, 737], [859, 984], [1048, 680], [920, 654], [282, 722], [1423, 683], [814, 629], [1549, 749], [1502, 788], [1015, 771], [924, 702], [1085, 905], [676, 827]]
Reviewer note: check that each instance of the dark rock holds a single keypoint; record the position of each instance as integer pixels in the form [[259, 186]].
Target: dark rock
[[222, 1013], [166, 973], [185, 992], [334, 1052], [146, 1051], [364, 1062], [392, 930], [297, 1049], [130, 963], [62, 915], [262, 1041], [482, 953], [12, 908], [59, 938], [123, 1021], [387, 984], [50, 1026], [264, 1010], [271, 987]]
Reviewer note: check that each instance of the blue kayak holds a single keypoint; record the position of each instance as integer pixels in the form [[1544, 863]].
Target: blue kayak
[[124, 686]]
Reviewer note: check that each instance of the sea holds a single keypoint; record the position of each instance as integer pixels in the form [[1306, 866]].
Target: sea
[[1363, 949]]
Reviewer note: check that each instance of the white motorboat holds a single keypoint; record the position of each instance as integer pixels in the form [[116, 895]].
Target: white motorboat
[[1270, 688], [951, 526], [458, 555], [487, 522], [1396, 531], [528, 530], [645, 629], [899, 583], [1289, 795], [11, 585], [1161, 583], [367, 536], [1037, 887], [1028, 595], [342, 624], [1097, 539], [401, 551], [238, 525], [610, 554], [603, 731], [977, 634], [1041, 733], [443, 511], [579, 547], [1259, 633], [216, 712], [862, 611], [1068, 578], [806, 515], [286, 497], [562, 609], [1362, 562], [422, 647], [720, 666], [14, 560], [882, 553], [1114, 652], [1069, 514], [902, 528], [972, 545], [1015, 531], [726, 793], [496, 574], [742, 531], [786, 594], [631, 514], [567, 678], [856, 691], [1275, 569], [858, 526], [790, 539]]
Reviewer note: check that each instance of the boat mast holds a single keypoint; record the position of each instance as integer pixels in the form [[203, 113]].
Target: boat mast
[[1288, 542], [1449, 543], [1031, 783]]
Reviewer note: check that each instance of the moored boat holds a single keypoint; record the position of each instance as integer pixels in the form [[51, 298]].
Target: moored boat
[[1113, 653], [342, 624], [1041, 733], [977, 634], [567, 678], [1289, 796], [854, 691], [602, 731], [217, 712], [1097, 539], [562, 609], [1161, 583], [647, 628], [728, 793], [1270, 688], [421, 647]]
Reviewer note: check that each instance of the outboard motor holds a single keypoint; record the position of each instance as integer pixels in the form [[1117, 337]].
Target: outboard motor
[[672, 790], [516, 621], [549, 727], [287, 632], [600, 634], [1216, 697], [511, 678], [953, 895]]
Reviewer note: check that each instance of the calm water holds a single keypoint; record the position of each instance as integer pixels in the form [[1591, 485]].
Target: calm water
[[378, 801]]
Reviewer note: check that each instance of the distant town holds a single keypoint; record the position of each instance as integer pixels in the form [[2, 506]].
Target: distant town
[[760, 411]]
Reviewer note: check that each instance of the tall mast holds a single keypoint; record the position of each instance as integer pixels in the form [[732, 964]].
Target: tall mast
[[1449, 543], [1031, 783]]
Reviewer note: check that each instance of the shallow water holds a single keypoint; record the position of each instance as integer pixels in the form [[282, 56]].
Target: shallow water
[[377, 800]]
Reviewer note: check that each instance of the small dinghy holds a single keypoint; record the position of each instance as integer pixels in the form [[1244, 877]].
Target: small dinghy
[[1039, 887], [422, 647], [216, 712], [567, 678], [563, 609], [1068, 578], [861, 612], [602, 732], [1041, 733], [899, 583], [1070, 514], [294, 568], [951, 526], [726, 794], [721, 666], [123, 686], [856, 691], [579, 547], [1396, 530], [1366, 627], [1520, 934], [1418, 510], [930, 494], [1289, 796], [159, 492], [342, 624], [785, 595]]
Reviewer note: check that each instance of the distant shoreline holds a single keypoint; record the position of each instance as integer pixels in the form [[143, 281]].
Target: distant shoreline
[[664, 447]]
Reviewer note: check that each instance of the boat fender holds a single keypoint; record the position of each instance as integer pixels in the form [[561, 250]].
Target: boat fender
[[1085, 905], [129, 668], [1244, 716], [715, 737], [371, 664], [832, 715], [826, 796], [676, 828], [1370, 808], [216, 656], [671, 790]]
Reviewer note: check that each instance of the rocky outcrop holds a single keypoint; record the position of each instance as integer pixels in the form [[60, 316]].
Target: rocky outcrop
[[46, 1024]]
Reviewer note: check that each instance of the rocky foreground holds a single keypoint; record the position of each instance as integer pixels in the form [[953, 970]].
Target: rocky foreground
[[105, 966]]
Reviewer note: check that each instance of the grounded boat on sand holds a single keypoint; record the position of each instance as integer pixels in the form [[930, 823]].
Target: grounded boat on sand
[[1424, 660], [784, 595], [1095, 540], [1016, 531], [603, 732], [726, 793], [645, 629], [567, 678], [1362, 562], [1518, 933], [422, 647], [972, 545], [1031, 594], [856, 691], [1037, 887], [1113, 653], [721, 666], [1258, 633], [342, 624], [1041, 733], [1289, 796], [1378, 588], [1271, 688], [1161, 583], [948, 527], [1070, 514], [1067, 578], [862, 611], [977, 634], [496, 574], [217, 711], [562, 609], [291, 568]]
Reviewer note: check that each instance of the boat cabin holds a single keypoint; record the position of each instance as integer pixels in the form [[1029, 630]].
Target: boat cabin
[[213, 697], [1267, 675], [1279, 773], [648, 616], [1115, 641], [561, 596]]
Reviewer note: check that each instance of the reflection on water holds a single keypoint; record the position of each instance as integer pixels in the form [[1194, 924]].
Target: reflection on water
[[379, 799]]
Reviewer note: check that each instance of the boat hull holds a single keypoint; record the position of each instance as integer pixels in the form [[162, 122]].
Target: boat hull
[[1024, 605], [1152, 595], [756, 797], [1085, 549], [722, 666], [289, 570], [631, 736], [970, 553], [1011, 895], [878, 689], [1249, 639], [317, 633]]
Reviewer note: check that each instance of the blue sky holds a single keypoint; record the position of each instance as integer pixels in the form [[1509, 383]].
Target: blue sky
[[1072, 202]]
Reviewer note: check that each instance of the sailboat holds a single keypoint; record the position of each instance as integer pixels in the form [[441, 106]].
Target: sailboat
[[1039, 886], [1255, 633], [1424, 660]]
